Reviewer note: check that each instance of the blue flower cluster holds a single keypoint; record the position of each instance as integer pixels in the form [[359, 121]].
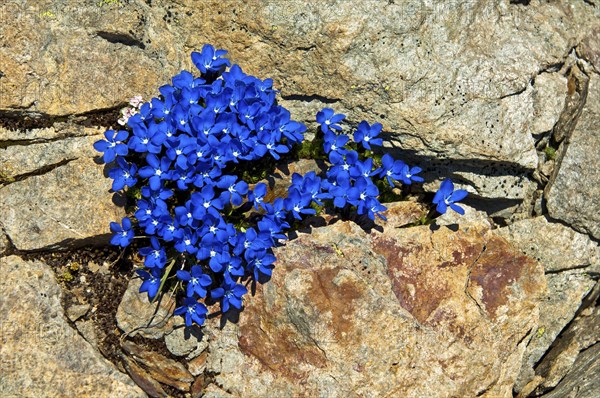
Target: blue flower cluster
[[184, 150]]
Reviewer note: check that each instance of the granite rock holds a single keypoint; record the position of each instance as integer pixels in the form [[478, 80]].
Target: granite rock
[[406, 312], [68, 206], [574, 194], [41, 354]]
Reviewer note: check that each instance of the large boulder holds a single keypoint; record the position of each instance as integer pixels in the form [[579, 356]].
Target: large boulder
[[407, 312]]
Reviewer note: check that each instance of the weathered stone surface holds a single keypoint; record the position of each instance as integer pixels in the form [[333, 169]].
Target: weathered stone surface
[[75, 312], [583, 332], [566, 291], [582, 381], [136, 315], [67, 206], [57, 131], [4, 243], [442, 79], [143, 379], [556, 246], [182, 340], [407, 312], [197, 365], [41, 354], [549, 94], [161, 368], [20, 160], [79, 57], [574, 195]]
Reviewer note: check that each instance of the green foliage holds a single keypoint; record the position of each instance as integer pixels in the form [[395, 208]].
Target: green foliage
[[550, 153]]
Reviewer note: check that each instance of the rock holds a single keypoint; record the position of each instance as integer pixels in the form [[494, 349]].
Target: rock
[[78, 59], [75, 312], [589, 48], [143, 379], [574, 194], [213, 391], [197, 365], [405, 312], [583, 333], [555, 245], [566, 290], [550, 90], [400, 214], [38, 212], [21, 160], [136, 315], [88, 331], [57, 131], [582, 380], [161, 368], [183, 340], [472, 218], [41, 354], [4, 243]]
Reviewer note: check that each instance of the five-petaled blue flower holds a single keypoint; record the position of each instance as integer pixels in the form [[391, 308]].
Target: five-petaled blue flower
[[192, 311], [447, 196], [327, 118], [113, 145], [123, 235]]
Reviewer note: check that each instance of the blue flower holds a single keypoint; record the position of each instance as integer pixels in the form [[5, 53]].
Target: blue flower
[[230, 294], [157, 171], [122, 235], [408, 175], [192, 311], [233, 189], [328, 120], [298, 203], [366, 135], [123, 175], [257, 196], [113, 145], [151, 282], [447, 196], [209, 60], [196, 280], [155, 255]]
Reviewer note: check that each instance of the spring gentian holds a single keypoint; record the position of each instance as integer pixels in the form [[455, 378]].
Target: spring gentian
[[230, 294], [113, 145], [327, 118], [192, 311], [123, 235], [196, 280], [447, 196]]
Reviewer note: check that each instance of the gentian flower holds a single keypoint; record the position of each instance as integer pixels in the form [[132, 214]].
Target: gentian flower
[[328, 120], [196, 279], [192, 311], [155, 255], [230, 294], [408, 175], [123, 175], [209, 60], [151, 282], [123, 235], [366, 135], [157, 171], [113, 145], [447, 196], [258, 195]]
